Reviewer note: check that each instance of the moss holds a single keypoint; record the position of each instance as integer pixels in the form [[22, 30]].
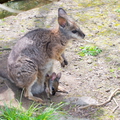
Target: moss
[[108, 59], [102, 114], [118, 68], [106, 32], [112, 70], [1, 53], [97, 115], [1, 39]]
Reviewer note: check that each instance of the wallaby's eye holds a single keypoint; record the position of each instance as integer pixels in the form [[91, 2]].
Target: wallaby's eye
[[74, 31]]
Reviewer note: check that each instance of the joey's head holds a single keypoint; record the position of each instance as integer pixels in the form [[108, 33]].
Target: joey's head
[[54, 82], [68, 26]]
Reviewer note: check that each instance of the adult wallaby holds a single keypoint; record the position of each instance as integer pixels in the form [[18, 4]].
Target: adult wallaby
[[33, 55]]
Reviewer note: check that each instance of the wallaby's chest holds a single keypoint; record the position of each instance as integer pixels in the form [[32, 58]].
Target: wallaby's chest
[[48, 66]]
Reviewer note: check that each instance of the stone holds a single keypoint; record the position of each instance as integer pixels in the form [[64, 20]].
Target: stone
[[82, 101], [89, 61], [71, 118]]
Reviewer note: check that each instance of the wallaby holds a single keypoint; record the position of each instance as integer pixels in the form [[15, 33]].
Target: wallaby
[[33, 55], [52, 83]]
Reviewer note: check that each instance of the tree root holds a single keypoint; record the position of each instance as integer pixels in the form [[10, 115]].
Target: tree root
[[117, 105], [102, 104]]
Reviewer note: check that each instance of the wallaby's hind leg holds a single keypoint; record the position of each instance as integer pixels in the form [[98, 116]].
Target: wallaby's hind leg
[[31, 97], [29, 94], [24, 74]]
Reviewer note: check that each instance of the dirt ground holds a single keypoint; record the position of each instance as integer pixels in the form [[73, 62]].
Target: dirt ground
[[91, 76]]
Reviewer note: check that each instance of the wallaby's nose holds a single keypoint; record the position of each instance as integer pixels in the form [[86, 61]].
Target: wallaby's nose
[[83, 35]]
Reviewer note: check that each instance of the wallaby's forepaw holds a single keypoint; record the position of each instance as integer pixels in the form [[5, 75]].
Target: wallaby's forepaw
[[64, 63], [48, 98]]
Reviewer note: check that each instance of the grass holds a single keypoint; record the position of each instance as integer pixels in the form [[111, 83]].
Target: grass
[[34, 112], [89, 50], [118, 10]]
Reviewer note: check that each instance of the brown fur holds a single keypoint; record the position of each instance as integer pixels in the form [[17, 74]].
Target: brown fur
[[33, 55]]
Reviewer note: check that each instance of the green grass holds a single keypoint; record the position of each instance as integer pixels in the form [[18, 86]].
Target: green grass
[[34, 112], [118, 10], [112, 70], [89, 50]]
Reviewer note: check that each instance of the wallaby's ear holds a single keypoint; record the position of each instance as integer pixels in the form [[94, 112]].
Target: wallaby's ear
[[61, 17], [59, 75], [61, 12], [62, 21], [53, 76]]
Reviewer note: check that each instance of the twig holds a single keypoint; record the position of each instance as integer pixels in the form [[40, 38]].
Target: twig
[[101, 104], [116, 106]]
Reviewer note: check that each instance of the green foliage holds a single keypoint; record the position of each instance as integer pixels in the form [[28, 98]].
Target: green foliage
[[22, 30], [118, 10], [3, 19], [1, 53], [102, 114], [34, 112], [118, 68], [89, 50], [112, 70], [108, 59]]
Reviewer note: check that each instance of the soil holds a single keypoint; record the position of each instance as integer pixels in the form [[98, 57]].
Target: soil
[[91, 76]]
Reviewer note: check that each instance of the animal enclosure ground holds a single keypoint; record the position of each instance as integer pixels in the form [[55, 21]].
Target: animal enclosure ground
[[89, 76]]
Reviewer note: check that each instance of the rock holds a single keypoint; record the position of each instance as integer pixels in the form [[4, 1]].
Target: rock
[[72, 118], [62, 116], [81, 100], [89, 61], [6, 95]]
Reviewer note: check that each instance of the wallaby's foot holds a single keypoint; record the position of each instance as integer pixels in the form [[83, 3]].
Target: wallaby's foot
[[30, 96], [61, 89], [36, 99], [64, 63]]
